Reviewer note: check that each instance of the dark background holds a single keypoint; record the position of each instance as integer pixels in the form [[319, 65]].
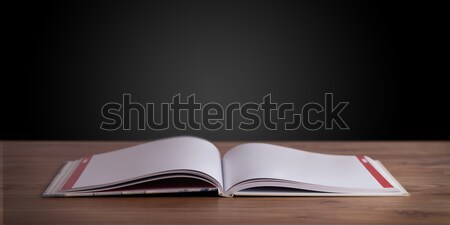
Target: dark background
[[66, 59]]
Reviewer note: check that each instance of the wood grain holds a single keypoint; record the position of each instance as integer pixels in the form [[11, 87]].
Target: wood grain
[[1, 182], [423, 168]]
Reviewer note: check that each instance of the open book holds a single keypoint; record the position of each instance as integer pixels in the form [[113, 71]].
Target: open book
[[190, 164]]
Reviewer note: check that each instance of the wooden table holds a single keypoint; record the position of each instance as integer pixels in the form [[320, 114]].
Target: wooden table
[[423, 168]]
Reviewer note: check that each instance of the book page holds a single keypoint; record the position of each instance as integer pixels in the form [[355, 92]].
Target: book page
[[264, 161], [179, 153]]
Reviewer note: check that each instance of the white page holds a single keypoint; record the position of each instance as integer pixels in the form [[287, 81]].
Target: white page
[[179, 153], [255, 161]]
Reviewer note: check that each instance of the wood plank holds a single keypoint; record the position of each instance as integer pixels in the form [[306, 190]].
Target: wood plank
[[422, 167]]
